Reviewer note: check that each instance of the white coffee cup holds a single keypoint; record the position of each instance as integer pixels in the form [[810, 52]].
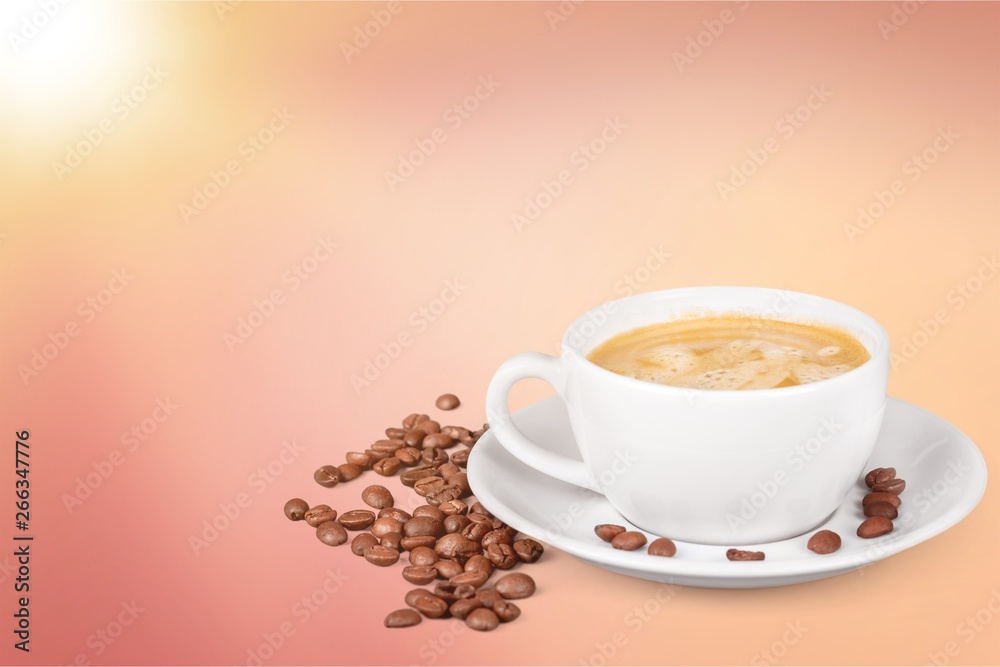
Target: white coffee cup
[[708, 466]]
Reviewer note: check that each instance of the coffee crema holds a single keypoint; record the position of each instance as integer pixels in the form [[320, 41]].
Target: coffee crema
[[731, 352]]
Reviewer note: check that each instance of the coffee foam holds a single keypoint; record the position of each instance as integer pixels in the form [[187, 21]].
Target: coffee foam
[[731, 352]]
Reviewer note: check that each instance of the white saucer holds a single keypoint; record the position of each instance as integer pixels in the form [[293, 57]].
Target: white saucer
[[945, 478]]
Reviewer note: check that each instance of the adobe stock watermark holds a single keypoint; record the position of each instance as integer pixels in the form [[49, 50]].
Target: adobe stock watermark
[[956, 299], [562, 12], [293, 279], [786, 127], [418, 322], [131, 440], [913, 168], [967, 630], [364, 34], [454, 117], [301, 612], [248, 150], [225, 7], [99, 641], [32, 24], [580, 160], [633, 623], [120, 109], [231, 510], [792, 635], [898, 17], [713, 28], [87, 310]]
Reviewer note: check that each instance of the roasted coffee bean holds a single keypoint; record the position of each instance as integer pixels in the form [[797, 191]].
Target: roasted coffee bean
[[498, 536], [426, 603], [421, 575], [895, 486], [824, 542], [488, 597], [359, 459], [408, 456], [382, 556], [874, 527], [528, 550], [320, 514], [411, 476], [394, 513], [349, 471], [409, 543], [482, 619], [387, 467], [402, 618], [455, 523], [434, 456], [447, 402], [881, 509], [447, 569], [296, 508], [393, 540], [739, 554], [497, 524], [427, 510], [473, 578], [419, 526], [506, 611], [414, 438], [608, 531], [456, 432], [361, 542], [428, 485], [387, 445], [476, 531], [327, 476], [479, 563], [879, 475], [428, 426], [383, 526], [411, 420], [502, 556], [630, 540], [445, 494], [357, 519], [461, 480], [453, 507], [450, 592], [455, 547], [662, 546], [377, 496], [479, 517], [461, 608], [881, 497], [377, 456], [423, 556], [331, 533], [515, 586], [439, 440], [460, 458], [446, 470], [395, 433]]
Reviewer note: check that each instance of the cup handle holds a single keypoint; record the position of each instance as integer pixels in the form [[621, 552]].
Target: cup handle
[[519, 367]]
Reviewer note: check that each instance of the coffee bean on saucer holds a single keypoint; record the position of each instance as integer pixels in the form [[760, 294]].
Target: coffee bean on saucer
[[528, 550], [824, 542], [377, 496], [462, 608], [421, 575], [447, 569], [456, 432], [515, 586], [608, 531], [408, 456], [390, 446], [488, 597], [879, 475], [628, 541], [461, 458], [429, 426], [414, 438], [482, 619], [395, 433], [361, 542], [381, 527], [296, 508], [411, 476], [874, 527], [739, 554], [429, 511], [502, 556], [357, 519], [331, 533], [882, 496], [359, 459], [440, 440], [420, 526], [506, 611], [387, 467], [662, 546], [894, 485], [447, 402], [446, 470], [380, 555], [434, 456], [394, 513], [392, 540], [455, 523], [426, 603], [402, 618], [882, 509], [327, 476], [409, 543], [410, 420], [349, 471], [320, 514]]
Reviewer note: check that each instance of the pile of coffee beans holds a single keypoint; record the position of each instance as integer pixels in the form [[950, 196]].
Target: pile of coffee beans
[[881, 505], [452, 539]]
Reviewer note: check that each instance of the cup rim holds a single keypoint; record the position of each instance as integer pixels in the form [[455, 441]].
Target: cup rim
[[880, 351]]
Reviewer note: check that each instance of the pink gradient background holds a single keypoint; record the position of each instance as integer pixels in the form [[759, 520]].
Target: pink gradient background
[[654, 187]]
